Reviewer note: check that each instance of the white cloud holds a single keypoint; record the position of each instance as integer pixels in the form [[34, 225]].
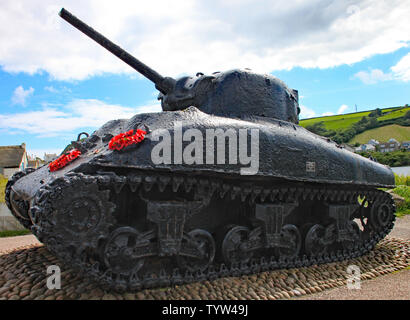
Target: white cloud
[[402, 69], [77, 114], [373, 76], [51, 89], [61, 90], [20, 95], [342, 109], [306, 112], [179, 36]]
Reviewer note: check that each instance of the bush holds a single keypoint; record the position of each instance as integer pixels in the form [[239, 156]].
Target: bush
[[402, 180], [3, 182], [404, 208], [317, 128], [375, 113], [393, 159]]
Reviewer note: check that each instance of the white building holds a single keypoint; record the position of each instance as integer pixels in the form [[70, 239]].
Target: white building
[[48, 157], [373, 142], [389, 146], [365, 147]]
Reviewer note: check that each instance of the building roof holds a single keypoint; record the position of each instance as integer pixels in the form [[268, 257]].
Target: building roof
[[33, 163], [393, 140], [11, 156]]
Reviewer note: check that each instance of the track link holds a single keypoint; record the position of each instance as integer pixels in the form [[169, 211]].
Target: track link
[[23, 219]]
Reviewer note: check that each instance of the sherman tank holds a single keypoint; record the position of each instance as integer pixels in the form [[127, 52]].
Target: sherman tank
[[222, 182]]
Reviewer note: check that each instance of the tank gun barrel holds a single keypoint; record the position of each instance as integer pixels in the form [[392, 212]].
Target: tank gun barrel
[[163, 84]]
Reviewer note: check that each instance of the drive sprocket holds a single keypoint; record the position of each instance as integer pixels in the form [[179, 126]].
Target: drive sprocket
[[72, 214]]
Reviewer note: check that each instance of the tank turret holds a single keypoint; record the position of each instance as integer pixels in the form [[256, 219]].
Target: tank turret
[[234, 93]]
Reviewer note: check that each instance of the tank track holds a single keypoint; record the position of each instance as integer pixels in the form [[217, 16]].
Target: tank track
[[70, 241], [25, 221]]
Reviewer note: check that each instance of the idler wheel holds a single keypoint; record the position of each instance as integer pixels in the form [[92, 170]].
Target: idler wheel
[[119, 254], [314, 243], [234, 245], [291, 236], [380, 215], [204, 243]]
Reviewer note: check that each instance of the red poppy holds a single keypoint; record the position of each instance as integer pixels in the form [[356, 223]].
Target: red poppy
[[64, 159], [126, 139]]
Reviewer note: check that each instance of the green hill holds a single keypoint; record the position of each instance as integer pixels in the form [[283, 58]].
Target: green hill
[[344, 128], [336, 122], [383, 134], [344, 121]]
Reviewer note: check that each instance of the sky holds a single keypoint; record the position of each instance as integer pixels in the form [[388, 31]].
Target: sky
[[55, 82]]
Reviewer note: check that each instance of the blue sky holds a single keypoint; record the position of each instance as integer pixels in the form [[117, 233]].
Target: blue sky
[[55, 83]]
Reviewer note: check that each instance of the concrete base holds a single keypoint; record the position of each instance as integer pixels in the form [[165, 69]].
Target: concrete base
[[7, 220]]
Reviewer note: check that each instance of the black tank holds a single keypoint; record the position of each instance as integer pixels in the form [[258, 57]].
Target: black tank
[[126, 209]]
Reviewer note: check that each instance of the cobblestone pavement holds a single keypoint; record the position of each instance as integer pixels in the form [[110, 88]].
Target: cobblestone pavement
[[23, 276], [23, 264]]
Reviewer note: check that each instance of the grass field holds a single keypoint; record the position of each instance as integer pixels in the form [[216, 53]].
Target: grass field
[[336, 122], [394, 114], [345, 121], [14, 233], [382, 134]]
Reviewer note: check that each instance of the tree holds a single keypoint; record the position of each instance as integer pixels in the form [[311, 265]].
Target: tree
[[318, 128], [373, 123], [376, 113]]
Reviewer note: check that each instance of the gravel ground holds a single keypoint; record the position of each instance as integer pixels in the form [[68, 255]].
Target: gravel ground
[[23, 264], [401, 228]]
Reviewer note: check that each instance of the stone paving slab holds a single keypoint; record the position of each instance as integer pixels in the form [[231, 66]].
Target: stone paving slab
[[9, 244], [401, 228], [395, 286]]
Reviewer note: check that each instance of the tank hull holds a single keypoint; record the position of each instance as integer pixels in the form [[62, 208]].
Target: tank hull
[[285, 151], [135, 219]]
